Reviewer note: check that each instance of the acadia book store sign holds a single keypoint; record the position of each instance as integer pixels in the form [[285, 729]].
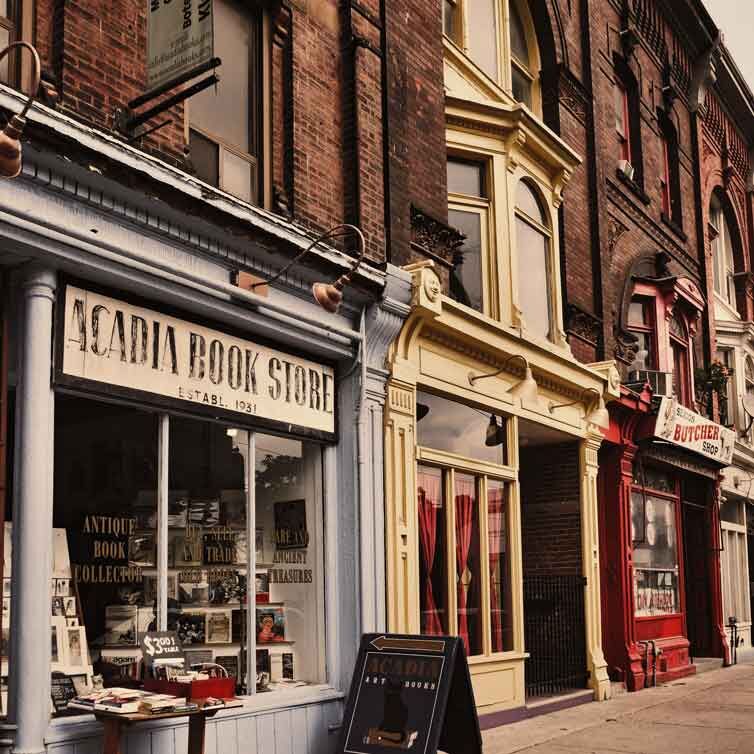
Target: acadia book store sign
[[115, 347]]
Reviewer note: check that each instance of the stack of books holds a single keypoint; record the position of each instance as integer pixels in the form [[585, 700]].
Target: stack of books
[[129, 701]]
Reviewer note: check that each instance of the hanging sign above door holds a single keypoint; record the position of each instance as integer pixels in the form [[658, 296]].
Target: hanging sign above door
[[179, 38], [115, 347]]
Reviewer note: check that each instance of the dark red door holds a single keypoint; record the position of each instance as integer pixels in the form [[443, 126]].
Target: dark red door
[[696, 544]]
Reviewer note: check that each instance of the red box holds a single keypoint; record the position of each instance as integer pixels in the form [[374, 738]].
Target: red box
[[223, 688]]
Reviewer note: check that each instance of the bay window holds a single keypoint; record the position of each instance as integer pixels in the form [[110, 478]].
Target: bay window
[[641, 323], [679, 346], [468, 212], [500, 40], [533, 248], [749, 390], [463, 497], [225, 122]]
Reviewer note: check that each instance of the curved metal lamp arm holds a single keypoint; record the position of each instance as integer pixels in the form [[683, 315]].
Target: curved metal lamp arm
[[474, 377], [36, 78], [337, 231], [552, 406]]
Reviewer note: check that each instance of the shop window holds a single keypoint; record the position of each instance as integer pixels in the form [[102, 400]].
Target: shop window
[[533, 249], [468, 212], [463, 527], [477, 28], [670, 178], [641, 323], [722, 253], [734, 565], [679, 345], [226, 121], [655, 554], [224, 572]]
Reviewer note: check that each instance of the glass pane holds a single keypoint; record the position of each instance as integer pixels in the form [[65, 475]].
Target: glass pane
[[223, 110], [528, 202], [433, 570], [655, 555], [456, 428], [501, 607], [466, 275], [4, 63], [619, 103], [533, 278], [207, 556], [290, 549], [104, 540], [644, 358], [654, 478], [521, 86], [237, 175], [468, 576], [519, 47], [483, 34], [730, 511], [204, 157], [465, 178], [450, 19], [637, 313]]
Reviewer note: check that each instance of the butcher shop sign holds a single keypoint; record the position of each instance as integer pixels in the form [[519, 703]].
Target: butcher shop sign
[[120, 348], [681, 426]]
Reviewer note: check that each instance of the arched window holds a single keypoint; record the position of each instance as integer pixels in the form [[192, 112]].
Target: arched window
[[533, 239], [511, 59], [722, 253], [679, 346]]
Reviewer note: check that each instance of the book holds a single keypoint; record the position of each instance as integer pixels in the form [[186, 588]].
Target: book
[[218, 630], [288, 665], [121, 624], [230, 663], [191, 628], [197, 656], [141, 550], [270, 624]]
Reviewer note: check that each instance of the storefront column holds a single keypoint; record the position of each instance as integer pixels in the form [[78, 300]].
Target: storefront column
[[720, 642], [383, 323], [590, 554], [29, 693]]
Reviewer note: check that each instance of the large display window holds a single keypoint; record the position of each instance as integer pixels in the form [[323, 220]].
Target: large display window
[[463, 498], [168, 522], [654, 531]]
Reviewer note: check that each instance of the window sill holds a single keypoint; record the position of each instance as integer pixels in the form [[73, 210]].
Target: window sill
[[633, 186], [674, 226], [65, 728]]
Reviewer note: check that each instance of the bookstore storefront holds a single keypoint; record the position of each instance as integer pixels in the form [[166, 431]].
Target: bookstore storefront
[[167, 470]]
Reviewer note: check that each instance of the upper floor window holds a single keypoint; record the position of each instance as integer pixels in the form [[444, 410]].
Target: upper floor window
[[726, 401], [468, 212], [641, 323], [749, 388], [622, 121], [679, 347], [508, 55], [670, 177], [225, 122], [533, 244], [722, 253]]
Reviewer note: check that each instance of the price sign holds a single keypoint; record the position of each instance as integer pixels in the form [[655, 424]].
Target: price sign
[[62, 691], [160, 646]]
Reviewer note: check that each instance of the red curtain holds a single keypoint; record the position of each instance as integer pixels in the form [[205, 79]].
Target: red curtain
[[464, 500], [497, 547], [429, 503]]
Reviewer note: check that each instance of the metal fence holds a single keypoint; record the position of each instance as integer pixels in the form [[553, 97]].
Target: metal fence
[[554, 634]]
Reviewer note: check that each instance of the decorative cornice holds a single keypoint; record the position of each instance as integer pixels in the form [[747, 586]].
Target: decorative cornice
[[433, 237], [584, 325], [568, 91]]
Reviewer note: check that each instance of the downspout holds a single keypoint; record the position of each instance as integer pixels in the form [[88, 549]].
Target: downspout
[[385, 131], [361, 470]]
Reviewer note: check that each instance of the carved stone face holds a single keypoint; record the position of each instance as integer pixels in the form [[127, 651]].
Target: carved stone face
[[432, 287]]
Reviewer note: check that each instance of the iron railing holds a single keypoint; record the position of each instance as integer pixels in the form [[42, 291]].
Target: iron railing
[[554, 634]]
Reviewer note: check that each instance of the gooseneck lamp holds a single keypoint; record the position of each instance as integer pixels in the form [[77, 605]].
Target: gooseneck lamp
[[327, 295], [10, 146], [526, 389]]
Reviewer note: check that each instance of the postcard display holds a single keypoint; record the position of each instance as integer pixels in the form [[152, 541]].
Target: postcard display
[[69, 649]]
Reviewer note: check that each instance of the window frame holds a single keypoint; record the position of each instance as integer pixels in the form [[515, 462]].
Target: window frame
[[680, 354], [734, 568], [546, 232], [11, 23], [451, 464], [506, 62], [620, 97], [723, 254], [670, 180], [649, 328], [259, 112], [627, 84]]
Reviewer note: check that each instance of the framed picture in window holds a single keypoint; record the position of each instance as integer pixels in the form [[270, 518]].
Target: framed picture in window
[[58, 643], [270, 624], [219, 627], [76, 647], [69, 607], [290, 525]]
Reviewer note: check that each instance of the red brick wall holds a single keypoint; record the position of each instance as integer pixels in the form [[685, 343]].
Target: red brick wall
[[550, 510]]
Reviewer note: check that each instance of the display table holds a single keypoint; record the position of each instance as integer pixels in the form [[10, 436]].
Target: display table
[[115, 725]]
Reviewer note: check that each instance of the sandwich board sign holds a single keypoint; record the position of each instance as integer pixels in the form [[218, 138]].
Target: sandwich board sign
[[410, 693]]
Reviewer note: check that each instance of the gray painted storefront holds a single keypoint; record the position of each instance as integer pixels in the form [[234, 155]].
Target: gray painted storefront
[[60, 218]]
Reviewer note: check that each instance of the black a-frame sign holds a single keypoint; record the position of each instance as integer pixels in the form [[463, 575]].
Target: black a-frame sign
[[410, 693]]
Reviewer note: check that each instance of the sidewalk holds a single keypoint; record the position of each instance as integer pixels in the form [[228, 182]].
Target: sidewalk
[[711, 713]]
